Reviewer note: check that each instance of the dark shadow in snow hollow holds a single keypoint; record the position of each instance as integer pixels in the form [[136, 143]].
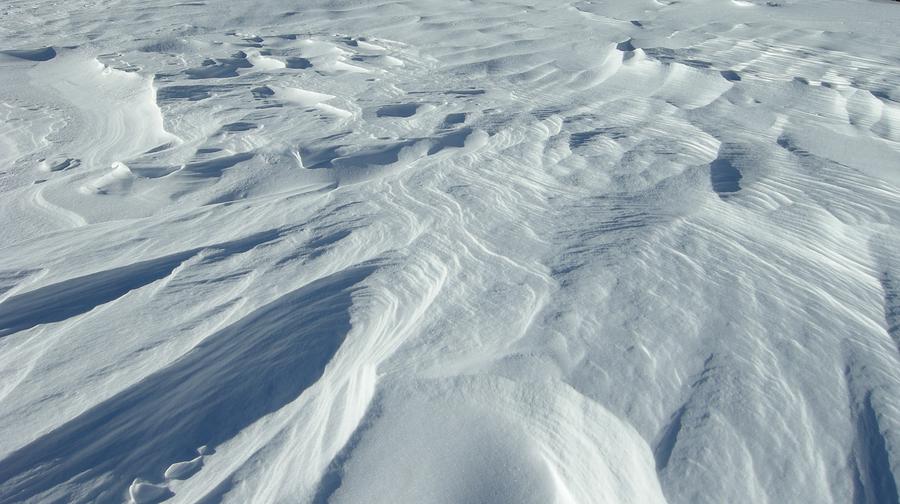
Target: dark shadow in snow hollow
[[76, 296], [725, 177], [42, 54], [231, 379]]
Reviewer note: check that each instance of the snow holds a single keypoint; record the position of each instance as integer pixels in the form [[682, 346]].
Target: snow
[[450, 251]]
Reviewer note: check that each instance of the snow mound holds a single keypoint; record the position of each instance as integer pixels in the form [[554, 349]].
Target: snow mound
[[484, 439]]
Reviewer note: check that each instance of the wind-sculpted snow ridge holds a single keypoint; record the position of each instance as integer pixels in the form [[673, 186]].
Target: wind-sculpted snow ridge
[[450, 251]]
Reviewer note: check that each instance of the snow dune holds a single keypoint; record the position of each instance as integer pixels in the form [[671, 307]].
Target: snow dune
[[450, 251]]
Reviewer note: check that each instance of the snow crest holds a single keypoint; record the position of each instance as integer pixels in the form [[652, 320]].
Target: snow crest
[[450, 251]]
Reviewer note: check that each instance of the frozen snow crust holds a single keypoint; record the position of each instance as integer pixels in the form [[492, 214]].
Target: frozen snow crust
[[450, 251]]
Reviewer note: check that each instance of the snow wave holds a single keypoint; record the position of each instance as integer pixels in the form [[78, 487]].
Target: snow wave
[[449, 252]]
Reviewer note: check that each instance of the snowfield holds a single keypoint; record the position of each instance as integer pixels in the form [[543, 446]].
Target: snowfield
[[450, 251]]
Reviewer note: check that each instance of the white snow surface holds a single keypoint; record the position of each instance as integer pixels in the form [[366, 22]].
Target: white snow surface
[[450, 251]]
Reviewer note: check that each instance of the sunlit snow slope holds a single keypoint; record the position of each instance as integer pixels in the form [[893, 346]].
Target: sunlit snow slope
[[450, 251]]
